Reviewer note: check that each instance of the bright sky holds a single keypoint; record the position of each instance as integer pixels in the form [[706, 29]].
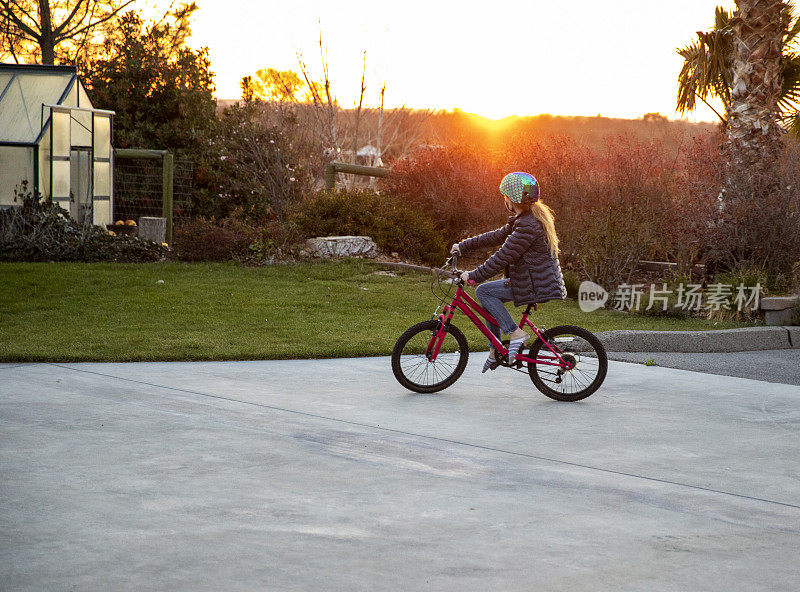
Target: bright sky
[[499, 58]]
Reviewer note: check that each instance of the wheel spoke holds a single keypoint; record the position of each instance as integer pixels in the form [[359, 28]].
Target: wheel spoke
[[578, 348], [415, 370]]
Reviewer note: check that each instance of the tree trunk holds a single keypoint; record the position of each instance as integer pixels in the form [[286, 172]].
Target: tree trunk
[[47, 41], [754, 138]]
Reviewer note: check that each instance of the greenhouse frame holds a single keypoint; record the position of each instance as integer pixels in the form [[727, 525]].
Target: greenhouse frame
[[53, 138]]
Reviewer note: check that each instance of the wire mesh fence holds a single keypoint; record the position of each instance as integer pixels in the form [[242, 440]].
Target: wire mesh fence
[[138, 188]]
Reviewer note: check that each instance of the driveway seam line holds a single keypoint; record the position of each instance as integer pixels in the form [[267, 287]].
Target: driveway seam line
[[437, 438]]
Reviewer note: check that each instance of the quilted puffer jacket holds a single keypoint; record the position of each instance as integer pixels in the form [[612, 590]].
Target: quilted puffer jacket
[[534, 273]]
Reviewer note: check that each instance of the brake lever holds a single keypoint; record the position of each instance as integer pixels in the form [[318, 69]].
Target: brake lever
[[457, 276]]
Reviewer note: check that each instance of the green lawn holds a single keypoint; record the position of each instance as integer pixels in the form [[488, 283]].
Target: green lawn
[[122, 312]]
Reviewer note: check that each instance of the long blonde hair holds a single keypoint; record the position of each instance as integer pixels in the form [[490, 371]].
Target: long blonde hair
[[545, 215]]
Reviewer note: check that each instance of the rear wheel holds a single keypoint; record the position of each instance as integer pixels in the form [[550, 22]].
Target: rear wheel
[[585, 358], [411, 361]]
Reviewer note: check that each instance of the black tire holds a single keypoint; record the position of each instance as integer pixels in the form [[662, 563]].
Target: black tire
[[589, 372], [411, 366]]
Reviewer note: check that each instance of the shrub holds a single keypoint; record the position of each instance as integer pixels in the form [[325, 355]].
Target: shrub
[[393, 223], [572, 283], [263, 165], [39, 230], [204, 239], [609, 205], [749, 275], [455, 186], [757, 223], [630, 200], [273, 241]]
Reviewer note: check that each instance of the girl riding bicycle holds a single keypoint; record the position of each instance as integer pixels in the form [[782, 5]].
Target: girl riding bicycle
[[529, 254]]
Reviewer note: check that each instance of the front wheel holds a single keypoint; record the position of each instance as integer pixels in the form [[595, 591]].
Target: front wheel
[[411, 361], [582, 366]]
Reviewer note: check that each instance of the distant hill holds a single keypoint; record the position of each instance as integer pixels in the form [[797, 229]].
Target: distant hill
[[442, 127], [591, 130]]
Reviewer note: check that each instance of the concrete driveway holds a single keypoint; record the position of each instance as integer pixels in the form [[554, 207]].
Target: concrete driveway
[[327, 475]]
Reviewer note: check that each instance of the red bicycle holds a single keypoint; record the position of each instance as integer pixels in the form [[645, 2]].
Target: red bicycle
[[566, 363]]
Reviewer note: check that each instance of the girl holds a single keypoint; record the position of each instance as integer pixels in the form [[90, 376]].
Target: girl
[[529, 254]]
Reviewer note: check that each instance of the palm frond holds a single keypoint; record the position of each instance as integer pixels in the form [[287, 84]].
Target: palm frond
[[791, 123], [792, 24], [790, 91], [722, 18], [707, 67], [688, 79]]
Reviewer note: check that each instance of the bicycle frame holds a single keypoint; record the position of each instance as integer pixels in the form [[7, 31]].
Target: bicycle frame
[[466, 304]]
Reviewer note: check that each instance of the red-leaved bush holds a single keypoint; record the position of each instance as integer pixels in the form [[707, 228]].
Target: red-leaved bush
[[630, 200], [457, 185]]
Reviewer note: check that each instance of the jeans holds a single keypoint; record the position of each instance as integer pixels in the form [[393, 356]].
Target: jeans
[[492, 295]]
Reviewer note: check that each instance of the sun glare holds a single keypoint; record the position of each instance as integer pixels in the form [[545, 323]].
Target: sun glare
[[492, 125]]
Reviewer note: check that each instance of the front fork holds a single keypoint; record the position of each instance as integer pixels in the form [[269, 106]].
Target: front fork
[[437, 337]]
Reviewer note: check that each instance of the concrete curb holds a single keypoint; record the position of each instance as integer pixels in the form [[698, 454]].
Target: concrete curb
[[794, 336], [723, 340]]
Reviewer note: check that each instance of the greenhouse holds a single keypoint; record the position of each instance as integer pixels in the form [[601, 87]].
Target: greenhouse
[[53, 138]]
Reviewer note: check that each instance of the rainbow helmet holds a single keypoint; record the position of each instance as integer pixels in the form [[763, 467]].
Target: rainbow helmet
[[521, 188]]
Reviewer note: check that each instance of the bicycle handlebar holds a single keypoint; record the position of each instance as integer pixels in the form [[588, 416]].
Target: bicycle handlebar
[[455, 271]]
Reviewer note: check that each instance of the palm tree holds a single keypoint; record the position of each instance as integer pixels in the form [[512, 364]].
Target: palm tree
[[748, 57]]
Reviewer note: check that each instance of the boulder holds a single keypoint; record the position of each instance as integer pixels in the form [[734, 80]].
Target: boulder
[[778, 309], [328, 247]]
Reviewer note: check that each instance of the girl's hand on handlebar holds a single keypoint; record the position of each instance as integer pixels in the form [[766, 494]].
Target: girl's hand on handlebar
[[455, 250], [465, 278]]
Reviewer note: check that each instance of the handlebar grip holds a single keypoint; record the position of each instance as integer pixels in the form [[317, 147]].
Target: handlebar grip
[[472, 282]]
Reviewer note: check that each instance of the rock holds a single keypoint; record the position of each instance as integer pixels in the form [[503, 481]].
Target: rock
[[778, 309], [341, 246]]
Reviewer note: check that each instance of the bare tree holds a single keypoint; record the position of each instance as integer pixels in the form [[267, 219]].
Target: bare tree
[[42, 30], [326, 106], [336, 131], [379, 139], [358, 110]]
